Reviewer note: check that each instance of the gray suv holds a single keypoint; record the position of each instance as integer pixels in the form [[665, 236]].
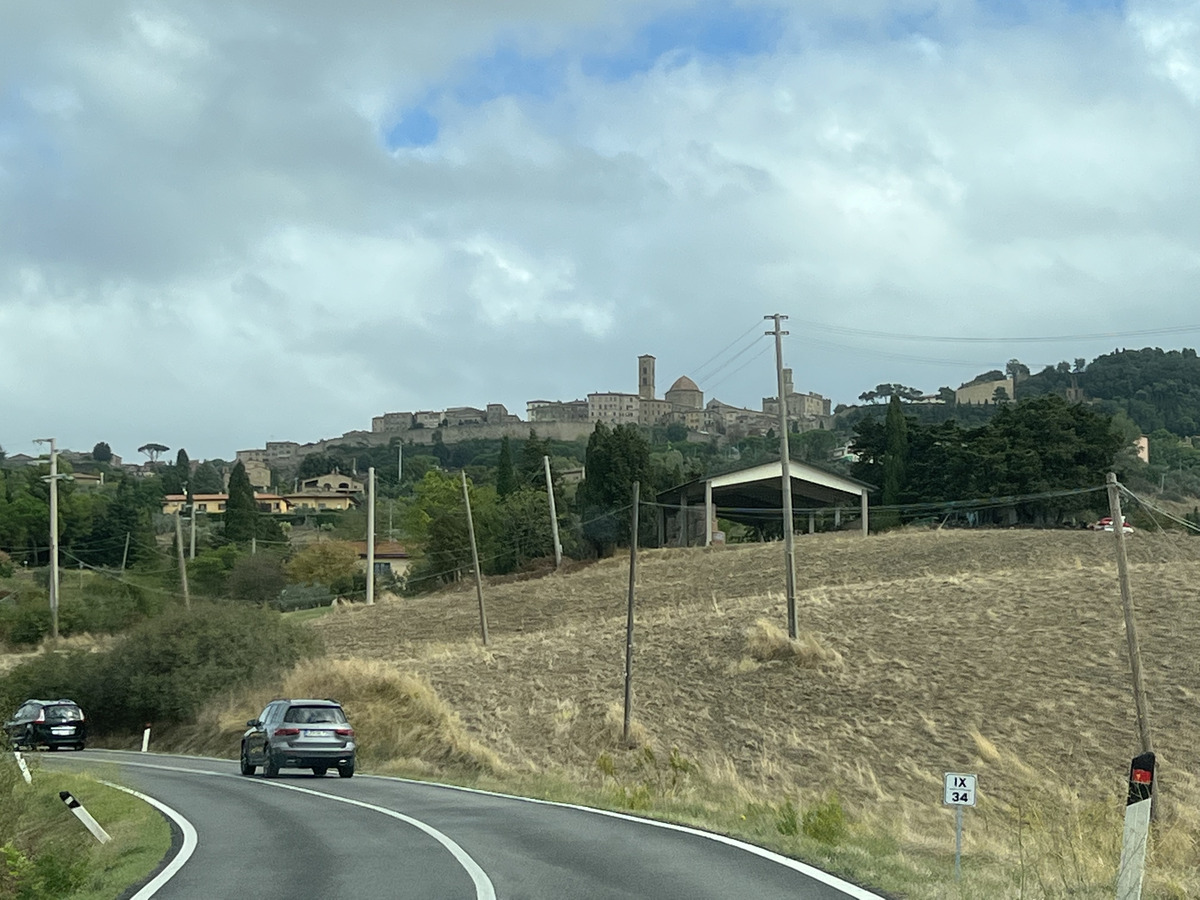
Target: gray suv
[[299, 734]]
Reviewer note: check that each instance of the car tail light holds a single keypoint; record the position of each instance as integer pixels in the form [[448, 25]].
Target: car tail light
[[41, 716], [287, 732], [344, 732]]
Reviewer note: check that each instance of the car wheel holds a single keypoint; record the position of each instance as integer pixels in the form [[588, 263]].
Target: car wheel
[[28, 739], [320, 771], [347, 770], [270, 765], [247, 768]]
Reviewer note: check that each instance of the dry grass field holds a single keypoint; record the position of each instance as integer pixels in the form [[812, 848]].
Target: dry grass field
[[996, 652]]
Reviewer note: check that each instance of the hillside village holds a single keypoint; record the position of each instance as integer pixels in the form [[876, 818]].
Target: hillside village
[[682, 404]]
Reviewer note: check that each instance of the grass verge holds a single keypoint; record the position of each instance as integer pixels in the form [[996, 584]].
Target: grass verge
[[47, 854]]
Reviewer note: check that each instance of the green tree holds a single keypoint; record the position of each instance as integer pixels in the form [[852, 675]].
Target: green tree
[[506, 476], [326, 563], [257, 578], [207, 479], [530, 473], [102, 452], [241, 509], [616, 458]]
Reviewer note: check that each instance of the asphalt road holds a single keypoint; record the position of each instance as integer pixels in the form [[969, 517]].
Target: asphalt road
[[369, 837]]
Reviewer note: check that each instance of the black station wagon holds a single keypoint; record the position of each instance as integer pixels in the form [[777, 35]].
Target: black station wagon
[[47, 723]]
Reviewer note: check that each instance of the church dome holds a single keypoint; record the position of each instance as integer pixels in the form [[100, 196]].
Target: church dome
[[683, 383]]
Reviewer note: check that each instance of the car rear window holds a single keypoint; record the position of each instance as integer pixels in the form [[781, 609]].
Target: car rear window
[[315, 714], [63, 713]]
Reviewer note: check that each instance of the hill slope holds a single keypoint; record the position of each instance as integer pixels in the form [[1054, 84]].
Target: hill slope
[[998, 652]]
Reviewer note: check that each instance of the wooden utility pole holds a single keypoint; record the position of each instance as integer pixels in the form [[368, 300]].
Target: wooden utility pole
[[553, 514], [633, 544], [371, 536], [1131, 638], [789, 537], [187, 597], [125, 553], [483, 630]]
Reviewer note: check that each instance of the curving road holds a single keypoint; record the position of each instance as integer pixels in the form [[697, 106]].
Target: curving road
[[297, 836]]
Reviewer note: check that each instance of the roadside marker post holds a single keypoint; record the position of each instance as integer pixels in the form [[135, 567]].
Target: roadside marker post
[[23, 767], [146, 738], [85, 817], [959, 792], [1137, 828]]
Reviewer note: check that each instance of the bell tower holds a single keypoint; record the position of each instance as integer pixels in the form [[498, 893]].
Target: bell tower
[[645, 377]]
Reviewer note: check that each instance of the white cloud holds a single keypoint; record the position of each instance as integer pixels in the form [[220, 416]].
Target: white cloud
[[202, 213]]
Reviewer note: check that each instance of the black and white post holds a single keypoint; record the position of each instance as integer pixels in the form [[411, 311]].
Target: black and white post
[[85, 817], [1137, 828]]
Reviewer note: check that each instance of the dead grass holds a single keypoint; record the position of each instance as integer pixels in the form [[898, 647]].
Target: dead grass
[[995, 652]]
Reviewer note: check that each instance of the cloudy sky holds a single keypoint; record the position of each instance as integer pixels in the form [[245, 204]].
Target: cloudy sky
[[223, 223]]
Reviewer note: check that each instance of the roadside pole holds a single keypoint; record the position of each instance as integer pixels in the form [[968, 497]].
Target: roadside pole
[[1138, 808], [959, 791], [54, 582], [553, 514], [789, 537], [187, 597], [633, 543], [483, 629], [371, 536], [1131, 636]]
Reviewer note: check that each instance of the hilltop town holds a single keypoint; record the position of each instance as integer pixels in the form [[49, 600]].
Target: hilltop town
[[682, 404]]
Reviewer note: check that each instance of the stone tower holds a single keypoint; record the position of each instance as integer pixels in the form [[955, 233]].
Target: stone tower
[[646, 377]]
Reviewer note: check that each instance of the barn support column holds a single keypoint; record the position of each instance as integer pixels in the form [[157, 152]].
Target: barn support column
[[863, 505], [812, 522], [683, 520], [708, 514], [837, 518]]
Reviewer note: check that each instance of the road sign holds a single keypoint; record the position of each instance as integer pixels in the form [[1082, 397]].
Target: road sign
[[960, 789]]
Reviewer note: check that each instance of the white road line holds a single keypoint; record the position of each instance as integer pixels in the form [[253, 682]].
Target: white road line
[[483, 885], [150, 888], [852, 891]]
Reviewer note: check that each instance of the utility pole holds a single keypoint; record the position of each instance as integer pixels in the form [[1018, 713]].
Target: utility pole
[[553, 514], [633, 543], [1131, 638], [789, 538], [187, 597], [371, 536], [53, 479], [483, 629]]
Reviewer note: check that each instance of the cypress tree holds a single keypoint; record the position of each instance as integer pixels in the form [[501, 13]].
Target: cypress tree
[[506, 476], [241, 510], [895, 454]]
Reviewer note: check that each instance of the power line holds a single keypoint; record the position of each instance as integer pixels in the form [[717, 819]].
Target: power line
[[1036, 339]]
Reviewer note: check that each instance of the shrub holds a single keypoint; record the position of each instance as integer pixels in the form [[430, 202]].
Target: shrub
[[6, 565], [303, 596], [257, 579], [826, 822], [164, 669]]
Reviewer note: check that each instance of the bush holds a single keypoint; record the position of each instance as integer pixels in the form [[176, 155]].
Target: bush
[[166, 668], [257, 579], [826, 822], [108, 606], [303, 596], [7, 568]]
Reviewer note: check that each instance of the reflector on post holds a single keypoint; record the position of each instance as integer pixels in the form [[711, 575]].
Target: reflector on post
[[1137, 828]]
